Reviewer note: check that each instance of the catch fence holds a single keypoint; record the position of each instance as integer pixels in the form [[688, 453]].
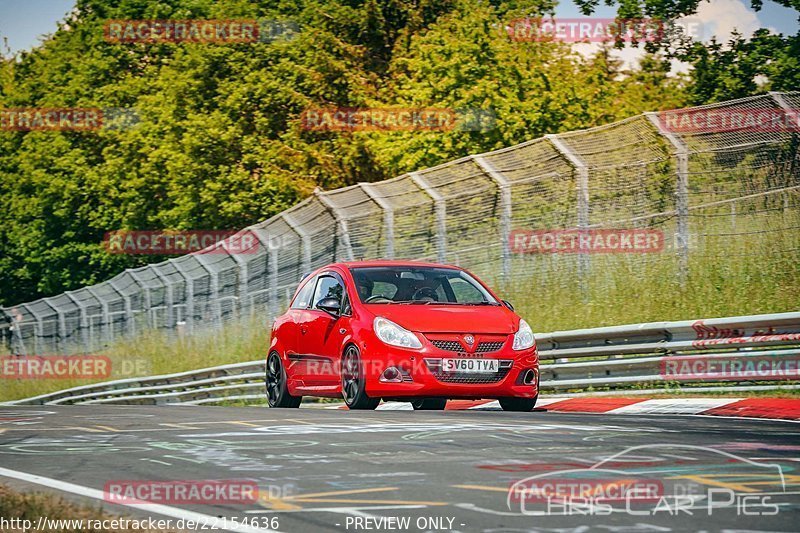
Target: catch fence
[[714, 190]]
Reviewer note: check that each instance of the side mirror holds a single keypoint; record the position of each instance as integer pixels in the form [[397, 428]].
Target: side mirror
[[508, 304], [330, 306]]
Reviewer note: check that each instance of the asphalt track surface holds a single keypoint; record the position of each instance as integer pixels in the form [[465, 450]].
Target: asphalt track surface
[[335, 470]]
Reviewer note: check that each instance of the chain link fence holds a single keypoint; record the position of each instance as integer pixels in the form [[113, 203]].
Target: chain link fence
[[716, 191]]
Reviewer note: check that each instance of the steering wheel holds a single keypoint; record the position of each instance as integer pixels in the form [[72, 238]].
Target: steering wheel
[[425, 294], [376, 297]]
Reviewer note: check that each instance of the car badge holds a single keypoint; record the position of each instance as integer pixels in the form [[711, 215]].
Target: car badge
[[469, 339]]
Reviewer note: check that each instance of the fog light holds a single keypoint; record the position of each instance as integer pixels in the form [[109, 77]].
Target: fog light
[[391, 375]]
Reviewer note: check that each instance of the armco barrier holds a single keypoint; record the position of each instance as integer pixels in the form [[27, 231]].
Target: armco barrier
[[618, 357]]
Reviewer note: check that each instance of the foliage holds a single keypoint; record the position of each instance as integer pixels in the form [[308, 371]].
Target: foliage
[[744, 67], [220, 144], [720, 71]]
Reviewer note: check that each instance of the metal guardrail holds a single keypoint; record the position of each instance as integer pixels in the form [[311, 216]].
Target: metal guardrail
[[168, 383], [617, 357]]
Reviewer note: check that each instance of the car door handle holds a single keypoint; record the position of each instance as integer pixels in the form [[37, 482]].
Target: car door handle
[[303, 330]]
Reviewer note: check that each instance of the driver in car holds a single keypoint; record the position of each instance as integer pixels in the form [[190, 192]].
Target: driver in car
[[365, 289], [424, 292]]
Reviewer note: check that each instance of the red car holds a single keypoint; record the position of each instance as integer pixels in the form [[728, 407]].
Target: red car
[[403, 331]]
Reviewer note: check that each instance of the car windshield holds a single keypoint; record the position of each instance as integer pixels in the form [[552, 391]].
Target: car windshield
[[419, 285]]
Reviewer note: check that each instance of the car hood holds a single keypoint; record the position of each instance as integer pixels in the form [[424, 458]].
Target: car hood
[[450, 318]]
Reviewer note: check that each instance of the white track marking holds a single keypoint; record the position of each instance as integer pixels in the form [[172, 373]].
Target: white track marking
[[494, 404], [753, 418], [155, 508], [395, 406], [668, 406], [673, 406]]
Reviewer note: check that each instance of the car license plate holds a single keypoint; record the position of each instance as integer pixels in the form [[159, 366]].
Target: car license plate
[[470, 365]]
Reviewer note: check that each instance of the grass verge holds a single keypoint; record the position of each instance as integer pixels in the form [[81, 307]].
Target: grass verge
[[17, 507], [752, 268]]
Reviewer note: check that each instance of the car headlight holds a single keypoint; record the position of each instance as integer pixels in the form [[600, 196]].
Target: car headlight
[[523, 339], [391, 333]]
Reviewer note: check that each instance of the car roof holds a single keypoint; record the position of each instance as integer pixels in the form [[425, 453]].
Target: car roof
[[391, 263], [347, 265]]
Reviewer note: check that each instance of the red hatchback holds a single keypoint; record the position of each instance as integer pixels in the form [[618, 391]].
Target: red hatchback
[[405, 331]]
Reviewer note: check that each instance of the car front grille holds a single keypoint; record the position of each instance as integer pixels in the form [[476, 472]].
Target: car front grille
[[450, 346], [487, 347], [455, 346], [435, 368]]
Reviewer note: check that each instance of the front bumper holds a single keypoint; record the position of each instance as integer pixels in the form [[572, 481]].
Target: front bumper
[[422, 375]]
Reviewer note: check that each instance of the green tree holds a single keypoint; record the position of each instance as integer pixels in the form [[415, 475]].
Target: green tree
[[220, 143]]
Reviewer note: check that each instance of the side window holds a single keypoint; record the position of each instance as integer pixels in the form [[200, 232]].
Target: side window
[[303, 297], [465, 291], [328, 287]]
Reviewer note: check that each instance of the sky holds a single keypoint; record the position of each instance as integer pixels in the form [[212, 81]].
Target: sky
[[23, 22]]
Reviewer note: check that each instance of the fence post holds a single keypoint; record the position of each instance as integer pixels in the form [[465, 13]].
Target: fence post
[[39, 328], [17, 323], [583, 201], [781, 101], [213, 299], [273, 284], [6, 322], [62, 325], [268, 251], [188, 317], [440, 205], [241, 290], [341, 223], [84, 320], [504, 189], [169, 300], [244, 271], [128, 307], [388, 216], [681, 192], [105, 324], [305, 238], [145, 296], [791, 113]]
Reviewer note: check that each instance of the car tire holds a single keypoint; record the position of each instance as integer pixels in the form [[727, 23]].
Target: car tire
[[276, 381], [518, 404], [354, 381], [429, 404]]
